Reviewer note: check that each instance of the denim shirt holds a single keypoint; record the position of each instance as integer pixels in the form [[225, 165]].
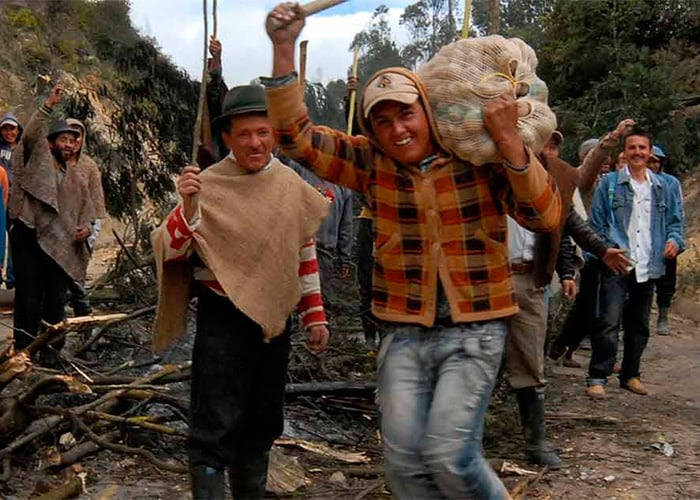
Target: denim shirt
[[612, 208]]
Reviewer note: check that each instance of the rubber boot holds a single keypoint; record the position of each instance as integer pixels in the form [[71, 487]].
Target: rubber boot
[[248, 476], [662, 327], [531, 406], [208, 483]]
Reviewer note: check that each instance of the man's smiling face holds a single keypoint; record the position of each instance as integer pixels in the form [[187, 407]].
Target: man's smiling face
[[402, 131]]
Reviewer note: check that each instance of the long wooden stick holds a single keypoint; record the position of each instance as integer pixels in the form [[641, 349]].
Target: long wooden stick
[[197, 140], [309, 9], [353, 94], [215, 19], [319, 5], [467, 18], [303, 49]]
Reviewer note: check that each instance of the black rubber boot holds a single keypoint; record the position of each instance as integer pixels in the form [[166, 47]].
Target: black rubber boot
[[208, 483], [531, 405], [248, 476]]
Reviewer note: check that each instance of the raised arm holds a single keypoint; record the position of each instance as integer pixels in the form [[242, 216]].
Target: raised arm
[[35, 130], [331, 154], [593, 162]]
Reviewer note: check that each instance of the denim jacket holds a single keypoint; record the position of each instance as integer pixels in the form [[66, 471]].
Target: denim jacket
[[612, 209]]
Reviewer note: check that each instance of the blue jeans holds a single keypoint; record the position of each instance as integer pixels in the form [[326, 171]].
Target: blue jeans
[[434, 387], [620, 298]]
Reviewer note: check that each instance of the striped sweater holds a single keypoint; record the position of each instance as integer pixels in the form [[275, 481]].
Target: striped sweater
[[179, 246]]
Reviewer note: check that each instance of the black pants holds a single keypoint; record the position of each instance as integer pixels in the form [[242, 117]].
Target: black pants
[[579, 323], [40, 286], [666, 285], [79, 299], [621, 298], [238, 384]]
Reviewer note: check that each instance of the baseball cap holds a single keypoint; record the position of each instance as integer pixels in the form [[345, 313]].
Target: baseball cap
[[389, 87], [9, 121], [658, 152], [558, 137]]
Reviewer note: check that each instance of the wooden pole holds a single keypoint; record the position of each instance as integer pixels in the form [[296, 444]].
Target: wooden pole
[[214, 18], [467, 18], [303, 48], [197, 139], [353, 94], [309, 9], [319, 5]]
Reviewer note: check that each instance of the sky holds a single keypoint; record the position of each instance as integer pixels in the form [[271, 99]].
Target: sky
[[178, 28]]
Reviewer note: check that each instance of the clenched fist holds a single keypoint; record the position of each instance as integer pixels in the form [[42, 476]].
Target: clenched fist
[[188, 187]]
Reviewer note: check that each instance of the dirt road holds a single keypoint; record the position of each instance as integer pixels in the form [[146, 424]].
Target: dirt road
[[610, 446]]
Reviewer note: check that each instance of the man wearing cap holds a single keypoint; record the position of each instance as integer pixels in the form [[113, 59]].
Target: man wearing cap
[[10, 135], [666, 285], [79, 300], [242, 239], [50, 215], [441, 282]]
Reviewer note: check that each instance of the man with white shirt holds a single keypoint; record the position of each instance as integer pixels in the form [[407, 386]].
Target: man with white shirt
[[629, 211]]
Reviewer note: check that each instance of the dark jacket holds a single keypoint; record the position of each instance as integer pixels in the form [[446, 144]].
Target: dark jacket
[[584, 236]]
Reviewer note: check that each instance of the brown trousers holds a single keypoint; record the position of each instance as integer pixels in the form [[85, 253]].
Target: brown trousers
[[526, 336]]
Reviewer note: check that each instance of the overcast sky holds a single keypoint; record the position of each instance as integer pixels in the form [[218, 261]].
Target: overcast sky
[[178, 27]]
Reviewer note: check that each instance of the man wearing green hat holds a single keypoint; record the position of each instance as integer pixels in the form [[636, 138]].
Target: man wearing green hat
[[241, 239], [50, 213]]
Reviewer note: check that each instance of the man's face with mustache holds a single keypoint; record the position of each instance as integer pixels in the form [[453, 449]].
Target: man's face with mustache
[[63, 145]]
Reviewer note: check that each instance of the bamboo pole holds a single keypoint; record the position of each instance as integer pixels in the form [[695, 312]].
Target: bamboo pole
[[353, 94], [214, 19], [467, 18]]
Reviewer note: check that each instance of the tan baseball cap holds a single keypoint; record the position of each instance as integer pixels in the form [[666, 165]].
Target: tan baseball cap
[[389, 87]]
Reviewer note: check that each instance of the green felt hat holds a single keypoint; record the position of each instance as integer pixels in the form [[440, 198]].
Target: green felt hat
[[242, 100]]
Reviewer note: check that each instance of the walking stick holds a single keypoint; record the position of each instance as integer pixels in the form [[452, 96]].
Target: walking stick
[[197, 137], [303, 47], [467, 18], [309, 9], [353, 93]]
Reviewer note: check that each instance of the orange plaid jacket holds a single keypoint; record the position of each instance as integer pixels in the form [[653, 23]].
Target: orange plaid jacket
[[447, 223]]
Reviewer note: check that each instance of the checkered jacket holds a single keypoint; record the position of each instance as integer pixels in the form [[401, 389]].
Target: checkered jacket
[[448, 221]]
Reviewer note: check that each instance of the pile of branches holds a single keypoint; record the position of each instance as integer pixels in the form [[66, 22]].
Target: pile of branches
[[84, 410]]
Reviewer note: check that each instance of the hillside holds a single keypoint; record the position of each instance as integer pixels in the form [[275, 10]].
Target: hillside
[[138, 106]]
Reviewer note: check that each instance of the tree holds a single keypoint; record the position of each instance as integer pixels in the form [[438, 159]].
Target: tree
[[377, 48], [431, 25]]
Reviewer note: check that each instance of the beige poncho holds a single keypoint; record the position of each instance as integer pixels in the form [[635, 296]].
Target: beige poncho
[[251, 230]]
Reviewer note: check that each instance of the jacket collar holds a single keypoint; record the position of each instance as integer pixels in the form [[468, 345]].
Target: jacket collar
[[624, 177]]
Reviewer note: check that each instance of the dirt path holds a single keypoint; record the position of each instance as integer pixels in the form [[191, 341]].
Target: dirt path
[[607, 444]]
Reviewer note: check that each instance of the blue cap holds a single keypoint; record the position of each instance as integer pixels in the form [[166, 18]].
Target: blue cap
[[658, 152]]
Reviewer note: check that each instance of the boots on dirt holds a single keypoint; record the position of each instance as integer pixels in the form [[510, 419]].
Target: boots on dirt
[[208, 483], [248, 476], [531, 406], [662, 326]]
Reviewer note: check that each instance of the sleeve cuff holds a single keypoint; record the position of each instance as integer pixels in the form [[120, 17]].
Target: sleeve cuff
[[279, 81]]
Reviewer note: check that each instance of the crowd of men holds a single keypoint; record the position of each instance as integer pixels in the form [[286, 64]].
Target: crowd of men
[[455, 263]]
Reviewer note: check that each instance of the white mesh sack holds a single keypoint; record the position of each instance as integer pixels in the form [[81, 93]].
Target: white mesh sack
[[464, 75]]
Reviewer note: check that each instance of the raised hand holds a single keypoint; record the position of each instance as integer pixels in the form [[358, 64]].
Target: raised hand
[[54, 96], [501, 122], [284, 23], [622, 127]]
